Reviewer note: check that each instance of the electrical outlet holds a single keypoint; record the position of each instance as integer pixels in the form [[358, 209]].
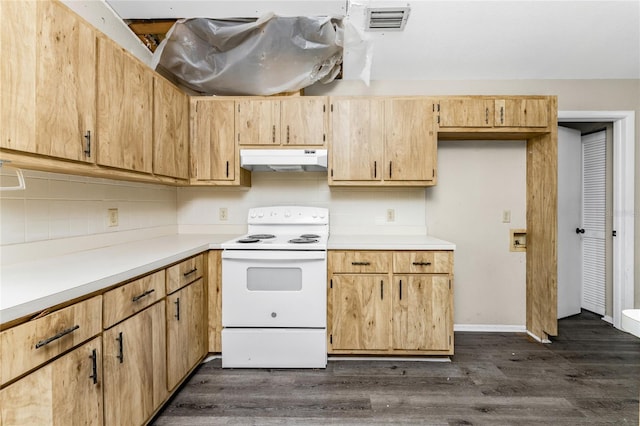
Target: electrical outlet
[[506, 216], [391, 215], [112, 215], [223, 213]]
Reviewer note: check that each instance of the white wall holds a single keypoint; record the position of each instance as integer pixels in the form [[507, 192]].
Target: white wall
[[56, 206]]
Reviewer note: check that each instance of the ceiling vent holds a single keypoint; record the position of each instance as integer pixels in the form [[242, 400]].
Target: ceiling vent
[[387, 18]]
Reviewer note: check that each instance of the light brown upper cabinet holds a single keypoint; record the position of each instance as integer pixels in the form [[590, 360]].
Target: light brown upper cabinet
[[289, 122], [491, 111], [125, 109], [213, 147], [382, 141], [170, 130], [47, 81], [522, 112]]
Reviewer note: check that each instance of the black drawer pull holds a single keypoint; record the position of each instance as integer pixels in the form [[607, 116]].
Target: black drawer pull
[[422, 263], [190, 272], [400, 289], [140, 296], [381, 290], [63, 333], [94, 367], [361, 263], [177, 303]]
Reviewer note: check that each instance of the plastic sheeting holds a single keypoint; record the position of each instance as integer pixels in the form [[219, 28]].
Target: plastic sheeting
[[273, 54]]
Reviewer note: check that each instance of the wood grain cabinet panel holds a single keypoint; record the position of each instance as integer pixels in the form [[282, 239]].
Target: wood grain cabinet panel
[[65, 391], [48, 85], [423, 262], [522, 112], [31, 344], [126, 300], [185, 331], [356, 261], [258, 122], [125, 113], [421, 312], [361, 317], [135, 370], [465, 112], [184, 273], [357, 137], [170, 130], [303, 121]]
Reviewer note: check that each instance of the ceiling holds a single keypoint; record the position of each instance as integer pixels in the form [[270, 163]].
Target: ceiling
[[453, 40]]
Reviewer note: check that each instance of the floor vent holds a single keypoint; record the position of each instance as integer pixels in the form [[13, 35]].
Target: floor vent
[[387, 18]]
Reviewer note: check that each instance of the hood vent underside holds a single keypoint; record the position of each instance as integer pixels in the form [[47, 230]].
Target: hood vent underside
[[387, 18]]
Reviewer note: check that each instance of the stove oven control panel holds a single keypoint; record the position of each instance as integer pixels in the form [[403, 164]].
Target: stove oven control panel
[[288, 215]]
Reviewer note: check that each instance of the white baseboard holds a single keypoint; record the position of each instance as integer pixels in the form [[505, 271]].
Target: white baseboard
[[490, 328], [607, 318], [538, 338]]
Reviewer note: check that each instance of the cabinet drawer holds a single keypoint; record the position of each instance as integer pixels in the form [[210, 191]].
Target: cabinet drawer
[[28, 345], [359, 261], [126, 300], [184, 273], [423, 262]]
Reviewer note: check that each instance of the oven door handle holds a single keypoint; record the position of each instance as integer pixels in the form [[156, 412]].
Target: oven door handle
[[266, 255]]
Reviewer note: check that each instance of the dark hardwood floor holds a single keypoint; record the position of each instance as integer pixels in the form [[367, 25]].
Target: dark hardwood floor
[[588, 375]]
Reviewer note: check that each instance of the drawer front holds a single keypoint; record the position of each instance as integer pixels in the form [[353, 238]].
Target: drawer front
[[29, 345], [423, 262], [359, 261], [126, 300], [184, 273]]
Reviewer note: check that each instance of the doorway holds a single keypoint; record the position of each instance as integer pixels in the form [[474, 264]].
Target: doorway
[[622, 201], [585, 279]]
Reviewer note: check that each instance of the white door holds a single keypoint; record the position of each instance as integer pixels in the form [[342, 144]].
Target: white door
[[593, 221], [569, 218]]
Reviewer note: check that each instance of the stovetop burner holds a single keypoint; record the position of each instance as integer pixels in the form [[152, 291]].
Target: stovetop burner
[[310, 236], [261, 236], [248, 240], [302, 240]]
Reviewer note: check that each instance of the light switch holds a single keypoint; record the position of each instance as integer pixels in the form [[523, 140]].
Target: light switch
[[506, 216]]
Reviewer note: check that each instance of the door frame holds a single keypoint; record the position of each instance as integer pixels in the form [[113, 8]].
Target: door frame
[[623, 201]]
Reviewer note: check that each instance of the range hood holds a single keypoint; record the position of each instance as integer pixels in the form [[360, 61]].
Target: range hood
[[284, 160]]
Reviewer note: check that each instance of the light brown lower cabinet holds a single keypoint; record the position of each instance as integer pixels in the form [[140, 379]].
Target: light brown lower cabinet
[[391, 302], [185, 331], [135, 367], [65, 391]]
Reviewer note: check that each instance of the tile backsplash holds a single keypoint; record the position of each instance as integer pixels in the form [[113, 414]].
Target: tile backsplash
[[56, 206]]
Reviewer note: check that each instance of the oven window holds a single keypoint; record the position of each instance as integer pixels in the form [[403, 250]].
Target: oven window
[[274, 279]]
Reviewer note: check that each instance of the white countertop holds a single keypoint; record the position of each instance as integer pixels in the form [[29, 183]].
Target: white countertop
[[388, 242], [29, 287]]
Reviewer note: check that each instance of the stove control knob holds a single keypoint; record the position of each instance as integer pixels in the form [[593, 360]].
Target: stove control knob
[[287, 213], [260, 214], [273, 315]]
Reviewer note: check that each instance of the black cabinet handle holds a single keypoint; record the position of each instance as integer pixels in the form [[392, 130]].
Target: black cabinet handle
[[579, 230], [375, 169], [57, 336], [390, 169], [177, 303], [120, 340], [422, 263], [87, 144], [94, 366], [140, 296], [273, 134], [190, 272], [361, 263], [287, 134], [227, 169], [400, 289], [381, 290]]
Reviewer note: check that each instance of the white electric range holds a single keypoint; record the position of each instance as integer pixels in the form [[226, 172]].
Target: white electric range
[[274, 282]]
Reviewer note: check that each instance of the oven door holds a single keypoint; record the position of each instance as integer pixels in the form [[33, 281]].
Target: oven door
[[274, 288]]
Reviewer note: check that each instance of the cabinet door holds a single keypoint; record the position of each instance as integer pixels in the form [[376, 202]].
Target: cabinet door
[[48, 85], [360, 312], [421, 312], [170, 130], [357, 135], [135, 367], [409, 140], [185, 331], [521, 113], [304, 121], [125, 114], [258, 122], [213, 150], [66, 391], [466, 112]]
